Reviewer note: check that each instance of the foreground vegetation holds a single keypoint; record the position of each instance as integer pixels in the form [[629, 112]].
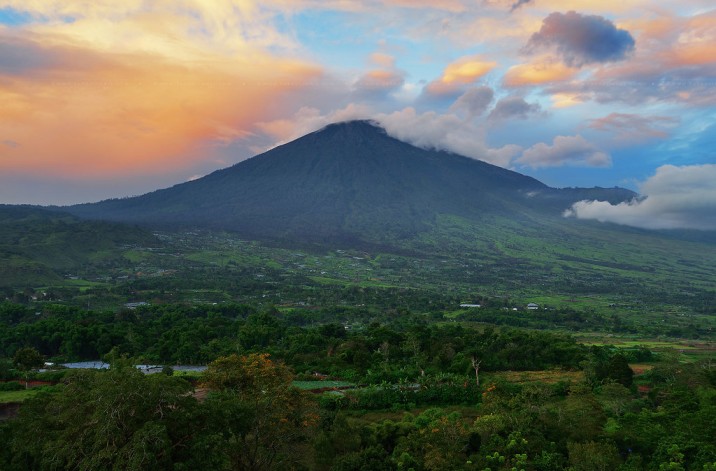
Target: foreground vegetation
[[245, 414], [410, 392]]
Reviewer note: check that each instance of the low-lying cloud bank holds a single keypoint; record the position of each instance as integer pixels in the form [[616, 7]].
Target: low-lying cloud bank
[[674, 198]]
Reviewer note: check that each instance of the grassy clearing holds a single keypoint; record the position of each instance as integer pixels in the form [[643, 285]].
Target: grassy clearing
[[546, 376], [313, 385], [17, 396], [188, 374], [85, 284], [568, 301], [322, 280], [689, 350], [137, 256]]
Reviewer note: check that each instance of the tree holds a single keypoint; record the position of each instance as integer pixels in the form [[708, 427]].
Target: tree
[[593, 456], [26, 359], [263, 418], [116, 419], [476, 366], [620, 371], [437, 440], [601, 367]]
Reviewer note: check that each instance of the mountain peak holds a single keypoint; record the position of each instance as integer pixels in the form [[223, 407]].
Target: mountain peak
[[360, 130], [354, 125]]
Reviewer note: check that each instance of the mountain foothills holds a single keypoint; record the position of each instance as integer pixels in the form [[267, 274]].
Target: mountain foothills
[[39, 246], [349, 183]]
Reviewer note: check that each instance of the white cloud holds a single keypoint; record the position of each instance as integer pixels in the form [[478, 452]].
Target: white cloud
[[448, 132], [565, 150], [308, 119], [675, 198], [429, 130]]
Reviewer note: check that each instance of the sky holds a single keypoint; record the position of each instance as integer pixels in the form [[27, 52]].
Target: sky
[[103, 99]]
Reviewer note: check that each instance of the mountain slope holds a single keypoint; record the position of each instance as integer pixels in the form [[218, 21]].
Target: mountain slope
[[349, 182], [38, 245]]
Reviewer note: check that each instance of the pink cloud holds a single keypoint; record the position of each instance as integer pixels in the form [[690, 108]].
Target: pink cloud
[[633, 128], [565, 150], [131, 113]]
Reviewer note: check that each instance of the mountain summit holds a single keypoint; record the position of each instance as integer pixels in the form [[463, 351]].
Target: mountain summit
[[348, 182]]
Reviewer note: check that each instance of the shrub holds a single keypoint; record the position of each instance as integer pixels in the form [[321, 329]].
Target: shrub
[[11, 386]]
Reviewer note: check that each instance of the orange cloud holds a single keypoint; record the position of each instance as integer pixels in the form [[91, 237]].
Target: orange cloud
[[537, 74], [676, 41], [447, 5], [383, 60], [467, 70], [456, 75], [695, 45], [133, 113], [565, 100], [593, 6], [700, 53], [127, 89]]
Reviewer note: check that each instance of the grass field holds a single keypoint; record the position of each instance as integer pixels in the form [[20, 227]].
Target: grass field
[[688, 350], [525, 377], [17, 396], [314, 385]]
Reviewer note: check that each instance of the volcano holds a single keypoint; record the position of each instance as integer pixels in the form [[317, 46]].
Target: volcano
[[348, 183]]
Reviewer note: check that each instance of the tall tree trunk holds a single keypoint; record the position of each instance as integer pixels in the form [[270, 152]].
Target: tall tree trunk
[[476, 366]]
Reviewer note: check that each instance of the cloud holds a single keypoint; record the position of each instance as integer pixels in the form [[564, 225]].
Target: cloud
[[458, 75], [308, 119], [672, 62], [383, 60], [580, 39], [565, 100], [538, 73], [19, 56], [565, 150], [518, 4], [137, 113], [147, 91], [474, 102], [448, 132], [513, 107], [674, 198], [429, 130], [467, 70], [178, 29], [633, 128], [378, 83], [10, 143]]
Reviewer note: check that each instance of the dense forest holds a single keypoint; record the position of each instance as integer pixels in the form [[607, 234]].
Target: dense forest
[[396, 392]]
